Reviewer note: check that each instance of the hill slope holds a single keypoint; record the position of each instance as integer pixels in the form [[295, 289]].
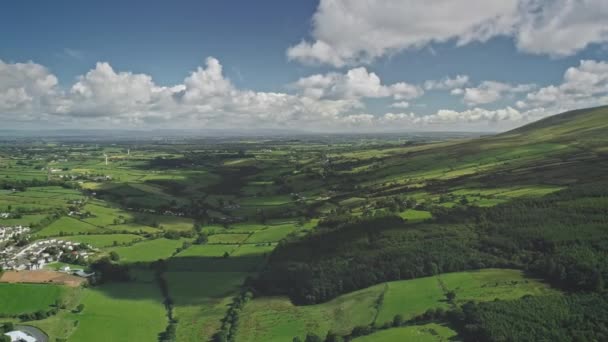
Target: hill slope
[[350, 251], [581, 124]]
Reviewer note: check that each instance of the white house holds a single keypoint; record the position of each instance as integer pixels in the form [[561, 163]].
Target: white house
[[18, 335]]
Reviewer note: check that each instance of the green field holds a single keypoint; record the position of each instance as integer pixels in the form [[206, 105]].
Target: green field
[[431, 332], [207, 250], [147, 251], [271, 233], [29, 298], [201, 300], [276, 319], [416, 215], [120, 312], [318, 228], [67, 226], [228, 238], [104, 240]]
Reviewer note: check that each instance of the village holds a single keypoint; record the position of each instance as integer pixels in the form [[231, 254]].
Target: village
[[35, 255]]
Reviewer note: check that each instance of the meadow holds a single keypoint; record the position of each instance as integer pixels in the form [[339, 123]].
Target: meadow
[[431, 332], [16, 299], [275, 318], [147, 251], [201, 300], [120, 312]]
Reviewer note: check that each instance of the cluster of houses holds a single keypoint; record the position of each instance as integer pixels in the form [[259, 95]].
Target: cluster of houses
[[8, 233], [37, 254], [5, 215]]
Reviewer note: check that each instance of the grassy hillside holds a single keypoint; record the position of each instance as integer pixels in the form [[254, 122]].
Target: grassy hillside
[[266, 239]]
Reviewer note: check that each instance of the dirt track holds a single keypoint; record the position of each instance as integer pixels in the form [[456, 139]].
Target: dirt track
[[41, 277]]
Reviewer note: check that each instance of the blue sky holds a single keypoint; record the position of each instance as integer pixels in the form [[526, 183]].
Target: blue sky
[[329, 65]]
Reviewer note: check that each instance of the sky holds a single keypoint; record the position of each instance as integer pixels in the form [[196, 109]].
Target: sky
[[316, 66]]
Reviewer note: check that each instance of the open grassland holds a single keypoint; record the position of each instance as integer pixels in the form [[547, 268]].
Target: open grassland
[[24, 220], [277, 319], [120, 312], [165, 222], [411, 297], [431, 332], [272, 233], [253, 249], [68, 226], [39, 199], [28, 298], [147, 251], [490, 284], [201, 300], [133, 228], [228, 238], [413, 215], [207, 250], [102, 215]]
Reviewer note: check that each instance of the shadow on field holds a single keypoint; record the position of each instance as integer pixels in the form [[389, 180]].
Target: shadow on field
[[211, 277]]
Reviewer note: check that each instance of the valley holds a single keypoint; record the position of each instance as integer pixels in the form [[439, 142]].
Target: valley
[[381, 237]]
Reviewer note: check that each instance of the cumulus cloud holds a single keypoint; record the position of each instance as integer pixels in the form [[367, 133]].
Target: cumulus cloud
[[206, 98], [582, 86], [354, 84], [26, 87], [331, 101], [490, 91], [349, 32]]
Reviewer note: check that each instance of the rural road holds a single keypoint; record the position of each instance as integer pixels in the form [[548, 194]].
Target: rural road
[[35, 332]]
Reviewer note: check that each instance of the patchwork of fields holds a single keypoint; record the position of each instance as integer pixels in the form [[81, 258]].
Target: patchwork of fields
[[276, 319], [240, 239]]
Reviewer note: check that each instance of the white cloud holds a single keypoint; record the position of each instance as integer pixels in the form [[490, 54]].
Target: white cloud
[[205, 99], [473, 115], [583, 86], [561, 27], [447, 83], [105, 92], [491, 91], [25, 87], [354, 84], [349, 32], [104, 97]]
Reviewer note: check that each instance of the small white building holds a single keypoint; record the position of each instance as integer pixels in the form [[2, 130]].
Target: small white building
[[18, 335]]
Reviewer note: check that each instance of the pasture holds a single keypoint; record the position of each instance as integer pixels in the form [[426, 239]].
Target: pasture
[[28, 298], [120, 312], [431, 332], [147, 251], [201, 300], [67, 226], [277, 319]]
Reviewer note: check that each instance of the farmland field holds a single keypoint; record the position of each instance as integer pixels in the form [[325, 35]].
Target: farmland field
[[271, 319], [29, 298], [68, 226], [371, 237], [147, 251], [421, 333], [120, 312]]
